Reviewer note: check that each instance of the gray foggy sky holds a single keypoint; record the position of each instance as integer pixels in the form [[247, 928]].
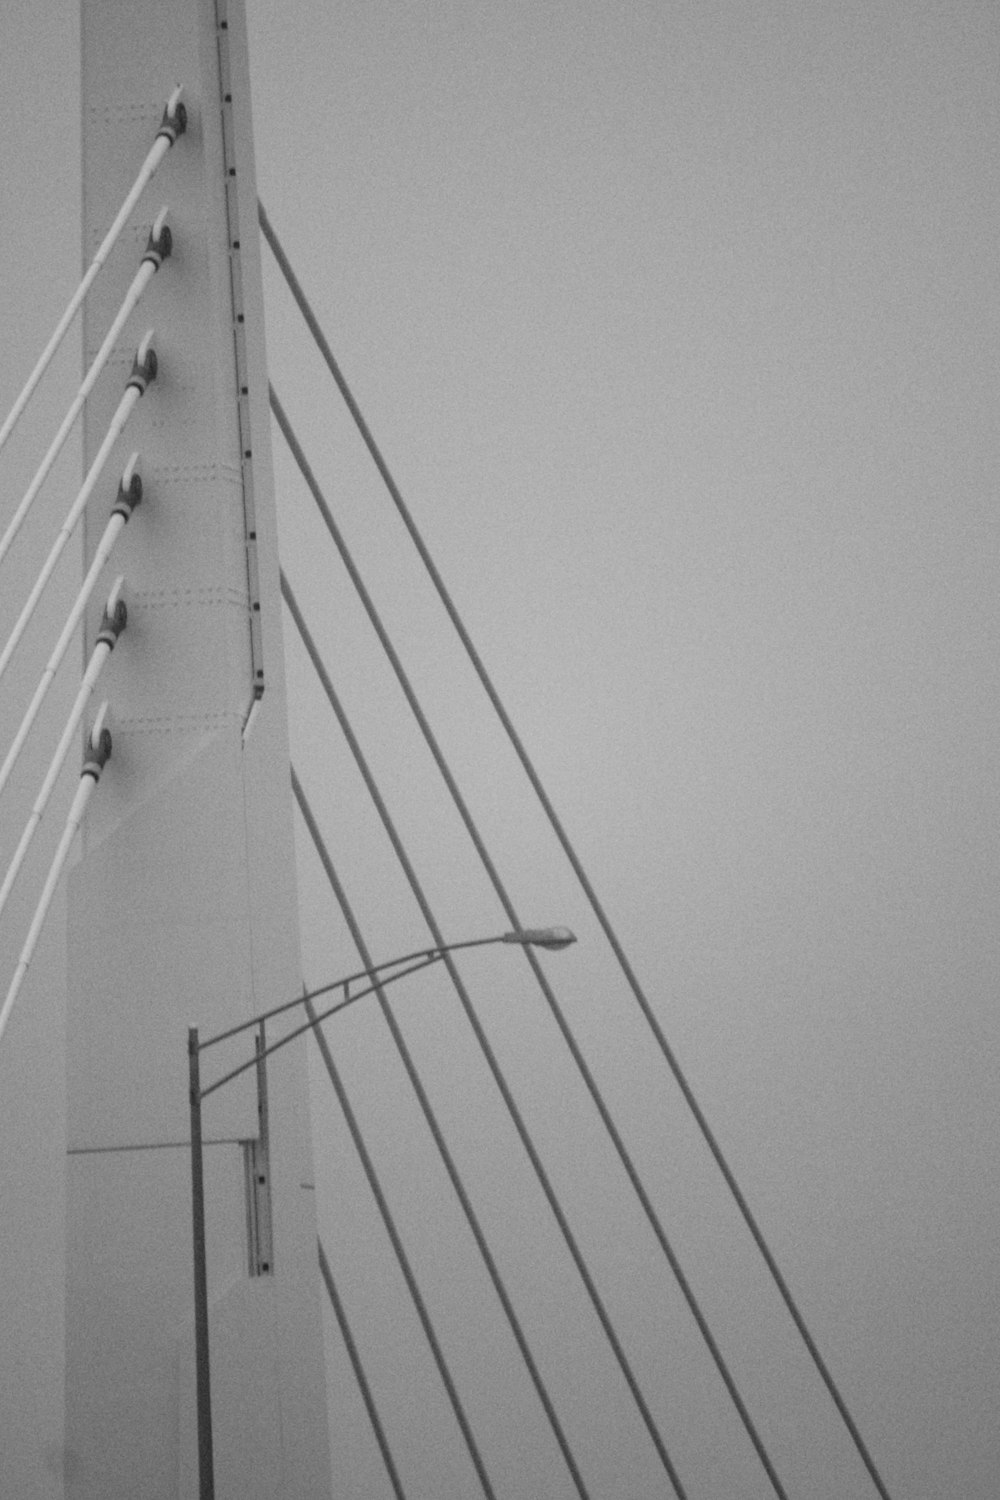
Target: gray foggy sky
[[677, 325]]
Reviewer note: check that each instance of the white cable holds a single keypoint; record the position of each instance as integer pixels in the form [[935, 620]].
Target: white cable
[[92, 767], [143, 371], [159, 238], [129, 494], [111, 627], [173, 124]]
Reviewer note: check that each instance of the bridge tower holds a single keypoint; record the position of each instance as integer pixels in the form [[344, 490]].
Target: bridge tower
[[183, 906]]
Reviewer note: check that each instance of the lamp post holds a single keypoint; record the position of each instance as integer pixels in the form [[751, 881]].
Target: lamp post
[[552, 938]]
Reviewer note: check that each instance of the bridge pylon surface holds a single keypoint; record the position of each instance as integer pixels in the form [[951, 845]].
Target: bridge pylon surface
[[183, 906]]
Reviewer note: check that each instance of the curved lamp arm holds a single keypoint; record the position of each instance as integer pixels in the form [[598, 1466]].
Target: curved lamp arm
[[553, 938]]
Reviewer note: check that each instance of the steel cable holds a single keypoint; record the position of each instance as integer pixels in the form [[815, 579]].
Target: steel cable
[[401, 1256], [143, 371], [99, 750], [555, 822], [433, 1125], [487, 1051], [112, 626], [129, 492], [173, 124], [156, 252], [359, 1373]]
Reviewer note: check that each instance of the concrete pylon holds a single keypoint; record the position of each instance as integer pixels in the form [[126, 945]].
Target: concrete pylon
[[183, 907]]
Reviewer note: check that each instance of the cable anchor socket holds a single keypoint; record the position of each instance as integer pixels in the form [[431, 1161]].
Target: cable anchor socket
[[129, 490], [144, 365], [98, 748], [113, 622], [160, 242], [174, 122]]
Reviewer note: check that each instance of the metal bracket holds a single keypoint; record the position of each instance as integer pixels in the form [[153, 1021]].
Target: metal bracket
[[257, 1179]]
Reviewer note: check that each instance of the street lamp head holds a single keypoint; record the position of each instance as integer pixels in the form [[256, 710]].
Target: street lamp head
[[541, 937]]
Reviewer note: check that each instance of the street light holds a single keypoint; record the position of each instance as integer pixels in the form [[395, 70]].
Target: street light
[[552, 938]]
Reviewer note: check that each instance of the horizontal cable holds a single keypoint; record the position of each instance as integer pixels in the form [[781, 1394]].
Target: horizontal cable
[[143, 370], [151, 262], [359, 1373], [89, 777], [112, 626], [401, 1257], [465, 1001], [128, 495], [173, 124], [433, 1125], [568, 849]]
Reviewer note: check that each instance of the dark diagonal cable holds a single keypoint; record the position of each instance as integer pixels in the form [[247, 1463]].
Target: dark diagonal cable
[[442, 1146], [474, 1022], [546, 990], [401, 1256], [359, 1373], [577, 867]]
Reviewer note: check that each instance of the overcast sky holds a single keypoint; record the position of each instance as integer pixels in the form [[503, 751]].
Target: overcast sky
[[677, 324]]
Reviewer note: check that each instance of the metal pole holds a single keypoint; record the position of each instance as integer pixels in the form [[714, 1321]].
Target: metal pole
[[206, 1475]]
